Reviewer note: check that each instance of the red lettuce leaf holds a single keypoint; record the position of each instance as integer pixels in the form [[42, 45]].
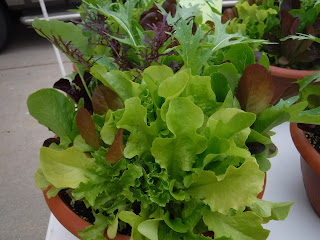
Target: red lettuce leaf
[[103, 99], [288, 5], [87, 128], [228, 14], [49, 141], [76, 90], [115, 152], [256, 88]]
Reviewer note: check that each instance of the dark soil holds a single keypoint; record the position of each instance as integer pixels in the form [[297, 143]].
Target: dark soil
[[79, 208], [314, 139]]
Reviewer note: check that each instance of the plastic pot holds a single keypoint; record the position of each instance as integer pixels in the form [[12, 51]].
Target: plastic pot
[[73, 223], [310, 165]]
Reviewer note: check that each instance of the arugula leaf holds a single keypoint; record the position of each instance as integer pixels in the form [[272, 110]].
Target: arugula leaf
[[52, 109], [122, 15], [190, 49]]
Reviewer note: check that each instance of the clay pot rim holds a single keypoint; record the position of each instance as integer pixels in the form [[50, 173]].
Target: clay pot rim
[[70, 220], [307, 151], [291, 73]]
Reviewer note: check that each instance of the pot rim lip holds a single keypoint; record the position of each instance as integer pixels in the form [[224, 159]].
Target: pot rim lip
[[291, 73], [306, 150], [60, 210]]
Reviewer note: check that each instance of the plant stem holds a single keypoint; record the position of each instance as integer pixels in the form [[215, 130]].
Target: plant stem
[[84, 84]]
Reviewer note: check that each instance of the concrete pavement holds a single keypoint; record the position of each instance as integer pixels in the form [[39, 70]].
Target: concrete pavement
[[26, 65]]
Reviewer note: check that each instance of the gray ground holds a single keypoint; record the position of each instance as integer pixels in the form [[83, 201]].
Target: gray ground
[[26, 65]]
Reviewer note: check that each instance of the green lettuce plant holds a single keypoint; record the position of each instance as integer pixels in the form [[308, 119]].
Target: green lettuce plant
[[286, 23], [165, 131]]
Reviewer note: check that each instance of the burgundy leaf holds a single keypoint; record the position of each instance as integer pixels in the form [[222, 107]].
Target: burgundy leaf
[[76, 89], [288, 5], [49, 141], [294, 26], [255, 147], [150, 17], [115, 152], [284, 90], [287, 21], [256, 89], [272, 149], [170, 6], [308, 127], [257, 56], [228, 14], [103, 99], [87, 128]]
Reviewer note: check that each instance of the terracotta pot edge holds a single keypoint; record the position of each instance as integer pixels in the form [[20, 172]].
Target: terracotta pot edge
[[291, 73], [306, 150]]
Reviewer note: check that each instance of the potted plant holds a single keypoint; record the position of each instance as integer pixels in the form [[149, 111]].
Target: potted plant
[[306, 138], [293, 25], [165, 130]]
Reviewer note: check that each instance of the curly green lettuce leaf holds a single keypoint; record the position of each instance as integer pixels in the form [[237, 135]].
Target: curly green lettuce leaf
[[134, 120], [64, 169], [228, 122], [53, 110], [237, 188], [96, 231], [134, 221], [153, 77], [109, 129], [242, 226], [177, 154], [199, 90]]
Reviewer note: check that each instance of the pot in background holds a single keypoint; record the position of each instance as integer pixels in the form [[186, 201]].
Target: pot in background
[[283, 78], [310, 165]]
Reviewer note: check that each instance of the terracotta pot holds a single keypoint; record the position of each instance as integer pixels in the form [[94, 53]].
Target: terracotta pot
[[310, 165], [73, 223], [283, 78]]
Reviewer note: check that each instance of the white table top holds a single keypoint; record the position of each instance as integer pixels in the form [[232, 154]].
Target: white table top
[[284, 183]]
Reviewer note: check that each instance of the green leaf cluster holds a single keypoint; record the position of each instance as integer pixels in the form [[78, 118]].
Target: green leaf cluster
[[254, 20], [183, 167]]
